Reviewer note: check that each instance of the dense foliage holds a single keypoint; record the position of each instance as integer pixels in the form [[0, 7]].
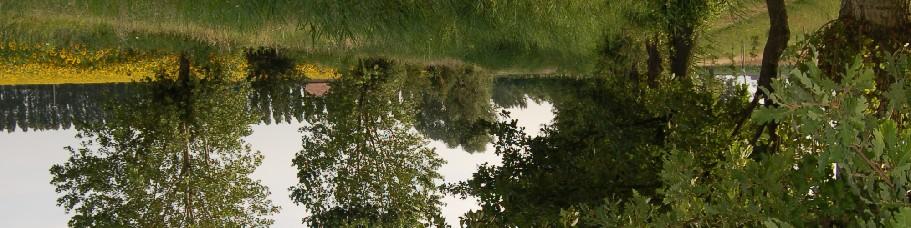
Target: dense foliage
[[363, 164], [454, 101], [608, 139], [664, 148], [170, 155], [843, 163]]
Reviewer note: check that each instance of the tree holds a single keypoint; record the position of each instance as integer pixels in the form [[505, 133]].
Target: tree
[[606, 140], [682, 21], [881, 13], [51, 107], [456, 99], [170, 155], [841, 165], [362, 162], [870, 28], [775, 46], [278, 93], [646, 28]]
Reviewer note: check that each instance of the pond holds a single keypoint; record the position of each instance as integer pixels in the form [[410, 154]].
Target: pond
[[262, 138], [39, 121], [490, 113]]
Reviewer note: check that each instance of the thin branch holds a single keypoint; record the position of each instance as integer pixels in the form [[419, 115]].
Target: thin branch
[[879, 171]]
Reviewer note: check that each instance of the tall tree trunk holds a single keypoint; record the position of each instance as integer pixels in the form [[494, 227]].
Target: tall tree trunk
[[886, 23], [880, 13], [183, 69], [634, 73], [186, 174], [779, 34], [682, 42], [654, 62], [777, 42]]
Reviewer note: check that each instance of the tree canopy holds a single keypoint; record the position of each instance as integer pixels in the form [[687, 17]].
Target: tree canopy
[[170, 155], [363, 164]]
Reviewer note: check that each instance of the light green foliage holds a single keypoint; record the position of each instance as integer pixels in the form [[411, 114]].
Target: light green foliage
[[363, 164], [843, 163], [171, 155]]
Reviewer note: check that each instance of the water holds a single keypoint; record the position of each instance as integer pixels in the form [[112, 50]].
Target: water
[[38, 121]]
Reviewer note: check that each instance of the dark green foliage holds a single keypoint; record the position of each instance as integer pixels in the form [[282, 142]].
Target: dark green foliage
[[452, 105], [278, 90], [607, 140], [621, 56], [268, 63], [54, 107], [362, 164], [842, 163]]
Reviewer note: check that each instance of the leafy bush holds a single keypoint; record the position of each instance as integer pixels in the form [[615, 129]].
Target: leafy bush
[[844, 162]]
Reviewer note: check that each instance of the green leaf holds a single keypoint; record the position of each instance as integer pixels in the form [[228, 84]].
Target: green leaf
[[776, 223], [878, 144], [901, 219]]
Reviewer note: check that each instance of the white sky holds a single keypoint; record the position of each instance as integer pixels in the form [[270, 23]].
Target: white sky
[[27, 199]]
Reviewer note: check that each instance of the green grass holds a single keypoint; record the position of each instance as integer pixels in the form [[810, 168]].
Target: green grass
[[493, 34], [804, 17], [505, 36]]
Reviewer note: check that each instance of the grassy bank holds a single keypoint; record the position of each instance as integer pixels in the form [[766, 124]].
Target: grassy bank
[[22, 63], [748, 31], [493, 34], [500, 36]]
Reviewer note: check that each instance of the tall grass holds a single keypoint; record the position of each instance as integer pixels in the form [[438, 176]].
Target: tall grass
[[804, 17], [504, 35], [493, 33]]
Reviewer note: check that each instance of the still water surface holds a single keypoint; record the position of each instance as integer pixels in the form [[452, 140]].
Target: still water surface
[[39, 121]]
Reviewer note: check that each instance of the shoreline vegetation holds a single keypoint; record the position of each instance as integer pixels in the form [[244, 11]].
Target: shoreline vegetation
[[91, 27], [651, 123]]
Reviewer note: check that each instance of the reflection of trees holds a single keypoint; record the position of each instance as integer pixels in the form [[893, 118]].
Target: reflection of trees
[[362, 164], [512, 92], [170, 155], [51, 107], [607, 140], [592, 150], [456, 99], [280, 101], [278, 90]]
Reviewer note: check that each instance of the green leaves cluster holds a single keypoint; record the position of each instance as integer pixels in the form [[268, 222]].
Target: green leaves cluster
[[608, 139], [170, 155], [456, 99], [844, 162], [363, 164]]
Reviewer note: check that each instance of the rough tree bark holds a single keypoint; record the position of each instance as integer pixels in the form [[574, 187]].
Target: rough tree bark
[[682, 41], [777, 42], [654, 62], [884, 22], [880, 13]]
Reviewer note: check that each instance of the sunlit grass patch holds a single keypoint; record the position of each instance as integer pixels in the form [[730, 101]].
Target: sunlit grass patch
[[24, 63], [804, 17]]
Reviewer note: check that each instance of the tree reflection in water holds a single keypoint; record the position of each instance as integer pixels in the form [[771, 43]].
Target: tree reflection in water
[[363, 164], [455, 100], [170, 155]]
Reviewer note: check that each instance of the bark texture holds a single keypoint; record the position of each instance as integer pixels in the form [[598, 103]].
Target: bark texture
[[654, 62], [879, 13], [682, 41], [779, 35]]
